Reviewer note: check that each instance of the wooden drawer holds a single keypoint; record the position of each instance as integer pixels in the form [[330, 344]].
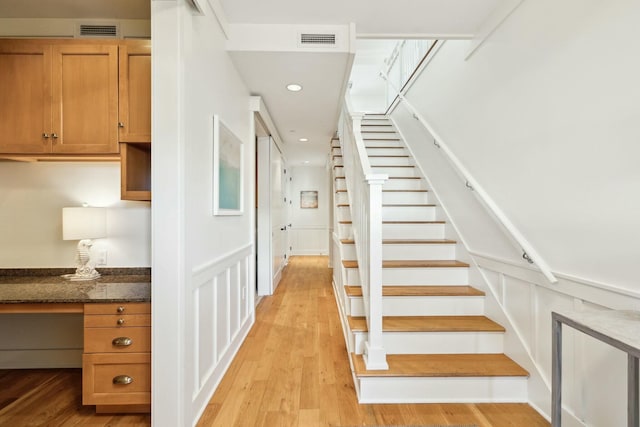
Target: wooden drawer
[[121, 321], [100, 370], [118, 308], [101, 340]]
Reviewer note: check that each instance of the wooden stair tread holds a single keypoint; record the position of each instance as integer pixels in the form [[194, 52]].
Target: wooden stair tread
[[404, 191], [391, 166], [439, 263], [396, 222], [386, 155], [443, 365], [424, 291], [429, 324], [406, 241]]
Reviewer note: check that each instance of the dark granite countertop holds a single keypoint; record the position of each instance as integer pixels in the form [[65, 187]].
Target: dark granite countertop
[[47, 286]]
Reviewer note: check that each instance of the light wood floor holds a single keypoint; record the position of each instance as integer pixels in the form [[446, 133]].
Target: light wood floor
[[293, 370], [52, 397]]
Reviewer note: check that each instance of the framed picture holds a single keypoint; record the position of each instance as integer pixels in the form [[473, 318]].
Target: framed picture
[[227, 170], [309, 199]]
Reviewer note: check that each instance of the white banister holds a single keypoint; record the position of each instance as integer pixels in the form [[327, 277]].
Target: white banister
[[365, 201], [529, 253]]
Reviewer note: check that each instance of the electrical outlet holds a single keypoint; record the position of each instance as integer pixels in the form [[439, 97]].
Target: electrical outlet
[[101, 257]]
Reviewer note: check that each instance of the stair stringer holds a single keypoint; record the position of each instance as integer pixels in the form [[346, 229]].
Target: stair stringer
[[514, 342]]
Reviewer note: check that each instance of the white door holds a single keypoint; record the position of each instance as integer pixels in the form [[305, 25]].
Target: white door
[[278, 214]]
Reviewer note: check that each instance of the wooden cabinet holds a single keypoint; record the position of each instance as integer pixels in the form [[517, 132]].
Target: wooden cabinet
[[135, 119], [58, 97], [116, 364], [135, 91]]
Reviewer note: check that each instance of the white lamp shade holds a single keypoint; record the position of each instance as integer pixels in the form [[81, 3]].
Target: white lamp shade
[[84, 223]]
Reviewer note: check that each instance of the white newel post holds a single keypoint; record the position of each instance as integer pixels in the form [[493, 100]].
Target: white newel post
[[375, 356]]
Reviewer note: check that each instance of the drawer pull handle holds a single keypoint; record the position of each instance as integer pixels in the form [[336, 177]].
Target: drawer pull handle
[[120, 309], [122, 379], [120, 322], [122, 342]]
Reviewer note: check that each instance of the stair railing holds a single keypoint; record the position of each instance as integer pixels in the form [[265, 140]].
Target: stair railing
[[365, 194], [528, 252]]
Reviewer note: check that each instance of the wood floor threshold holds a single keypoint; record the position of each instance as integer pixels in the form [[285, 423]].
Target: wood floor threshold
[[443, 365], [407, 241], [439, 263], [420, 291], [429, 324]]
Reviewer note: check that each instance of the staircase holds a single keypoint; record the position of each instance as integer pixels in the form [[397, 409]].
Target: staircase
[[440, 346]]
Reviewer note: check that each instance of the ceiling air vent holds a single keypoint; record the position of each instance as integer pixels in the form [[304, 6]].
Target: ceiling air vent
[[111, 31], [320, 40]]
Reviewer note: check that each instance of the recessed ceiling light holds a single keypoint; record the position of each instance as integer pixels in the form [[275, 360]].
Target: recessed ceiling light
[[303, 139], [306, 161], [294, 87]]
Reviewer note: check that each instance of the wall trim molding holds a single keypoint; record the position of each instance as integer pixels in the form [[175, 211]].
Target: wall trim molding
[[217, 265]]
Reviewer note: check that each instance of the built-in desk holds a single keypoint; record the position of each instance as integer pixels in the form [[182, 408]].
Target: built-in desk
[[116, 363], [618, 328]]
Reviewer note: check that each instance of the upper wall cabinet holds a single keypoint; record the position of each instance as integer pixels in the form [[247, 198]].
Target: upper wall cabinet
[[58, 97], [135, 91]]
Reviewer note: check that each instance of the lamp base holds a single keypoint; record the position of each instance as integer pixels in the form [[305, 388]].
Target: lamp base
[[81, 276]]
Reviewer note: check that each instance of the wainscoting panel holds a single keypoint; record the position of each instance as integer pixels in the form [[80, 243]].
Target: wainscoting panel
[[594, 374], [311, 240], [222, 300]]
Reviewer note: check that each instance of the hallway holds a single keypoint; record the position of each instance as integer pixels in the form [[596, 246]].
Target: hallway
[[293, 371]]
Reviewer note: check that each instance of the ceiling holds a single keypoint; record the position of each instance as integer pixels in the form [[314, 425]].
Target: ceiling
[[313, 112]]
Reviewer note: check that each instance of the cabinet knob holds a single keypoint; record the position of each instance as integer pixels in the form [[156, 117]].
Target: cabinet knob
[[120, 322], [120, 309], [122, 342], [54, 135], [45, 135], [122, 379], [120, 124]]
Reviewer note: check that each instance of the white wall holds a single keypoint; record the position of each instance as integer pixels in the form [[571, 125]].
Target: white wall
[[544, 115], [203, 265], [32, 196], [309, 233]]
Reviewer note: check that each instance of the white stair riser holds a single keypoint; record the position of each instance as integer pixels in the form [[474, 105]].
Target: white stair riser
[[338, 161], [344, 214], [340, 184], [378, 140], [381, 151], [336, 151], [339, 172], [401, 231], [341, 197], [408, 213], [413, 231], [378, 134], [416, 276], [441, 389], [387, 161], [400, 197], [404, 184], [422, 306], [417, 251], [375, 120], [434, 342], [391, 171]]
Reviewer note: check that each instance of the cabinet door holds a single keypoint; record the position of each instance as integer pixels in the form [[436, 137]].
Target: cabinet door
[[25, 94], [135, 92], [85, 99]]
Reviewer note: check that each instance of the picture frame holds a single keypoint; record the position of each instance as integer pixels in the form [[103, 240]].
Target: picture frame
[[308, 200], [228, 170]]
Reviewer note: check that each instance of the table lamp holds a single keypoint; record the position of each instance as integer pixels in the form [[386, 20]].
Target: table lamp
[[84, 224]]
